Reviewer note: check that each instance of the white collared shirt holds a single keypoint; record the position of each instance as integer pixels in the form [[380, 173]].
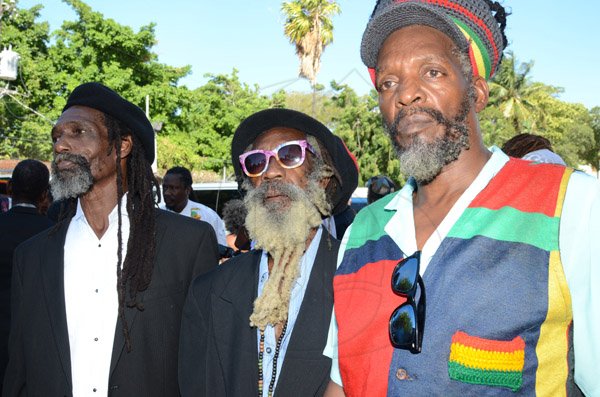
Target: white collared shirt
[[91, 302]]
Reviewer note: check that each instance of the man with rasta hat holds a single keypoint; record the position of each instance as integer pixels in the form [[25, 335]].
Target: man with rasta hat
[[258, 324], [505, 250], [97, 299]]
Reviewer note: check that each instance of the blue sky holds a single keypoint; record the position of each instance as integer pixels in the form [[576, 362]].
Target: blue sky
[[219, 35]]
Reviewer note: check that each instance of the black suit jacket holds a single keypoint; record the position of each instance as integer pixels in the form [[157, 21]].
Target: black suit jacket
[[16, 226], [39, 343], [218, 349]]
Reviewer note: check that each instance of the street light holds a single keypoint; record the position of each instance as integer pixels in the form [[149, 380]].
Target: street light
[[9, 59]]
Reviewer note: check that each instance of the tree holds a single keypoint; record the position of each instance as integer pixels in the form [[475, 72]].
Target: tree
[[358, 123], [209, 117], [27, 113], [593, 153], [309, 27], [511, 92]]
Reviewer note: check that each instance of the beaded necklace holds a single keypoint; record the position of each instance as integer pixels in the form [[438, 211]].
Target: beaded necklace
[[275, 357]]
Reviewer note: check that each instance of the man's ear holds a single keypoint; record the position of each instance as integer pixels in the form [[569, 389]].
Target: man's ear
[[126, 146], [482, 93]]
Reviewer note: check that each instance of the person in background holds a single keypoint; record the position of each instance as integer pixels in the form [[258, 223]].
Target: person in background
[[480, 276], [97, 299], [29, 189], [234, 216], [379, 186], [258, 324], [177, 187], [532, 147]]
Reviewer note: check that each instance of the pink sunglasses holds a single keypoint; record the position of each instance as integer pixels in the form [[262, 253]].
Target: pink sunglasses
[[289, 155]]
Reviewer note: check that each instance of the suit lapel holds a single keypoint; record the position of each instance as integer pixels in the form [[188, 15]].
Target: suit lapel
[[236, 340], [304, 363], [52, 270], [132, 312]]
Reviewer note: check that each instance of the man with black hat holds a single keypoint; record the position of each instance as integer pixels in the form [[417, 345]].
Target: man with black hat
[[259, 323], [504, 250], [97, 300]]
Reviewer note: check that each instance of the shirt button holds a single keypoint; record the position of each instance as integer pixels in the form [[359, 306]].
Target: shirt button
[[96, 339], [94, 390], [96, 290], [268, 350], [401, 374]]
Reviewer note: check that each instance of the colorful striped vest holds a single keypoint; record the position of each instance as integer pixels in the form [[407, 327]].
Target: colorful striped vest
[[498, 315]]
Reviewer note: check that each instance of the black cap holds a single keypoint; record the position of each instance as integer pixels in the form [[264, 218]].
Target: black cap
[[102, 98], [264, 120]]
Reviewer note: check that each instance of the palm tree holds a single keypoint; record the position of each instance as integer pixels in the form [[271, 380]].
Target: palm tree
[[513, 93], [308, 26]]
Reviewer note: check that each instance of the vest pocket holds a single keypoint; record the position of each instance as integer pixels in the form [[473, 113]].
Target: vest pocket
[[487, 362]]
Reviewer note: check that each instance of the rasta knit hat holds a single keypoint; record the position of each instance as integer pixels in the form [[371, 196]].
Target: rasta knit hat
[[262, 121], [102, 98], [469, 23]]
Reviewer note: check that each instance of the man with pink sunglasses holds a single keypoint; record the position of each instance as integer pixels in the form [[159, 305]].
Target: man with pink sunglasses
[[258, 325]]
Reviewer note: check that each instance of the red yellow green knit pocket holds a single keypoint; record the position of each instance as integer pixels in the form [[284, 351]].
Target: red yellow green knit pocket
[[487, 362]]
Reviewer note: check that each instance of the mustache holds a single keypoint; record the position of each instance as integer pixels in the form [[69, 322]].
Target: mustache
[[436, 115], [73, 158], [278, 188]]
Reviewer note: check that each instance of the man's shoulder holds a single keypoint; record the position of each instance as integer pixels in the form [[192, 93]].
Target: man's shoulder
[[238, 270], [171, 219], [206, 209], [50, 235]]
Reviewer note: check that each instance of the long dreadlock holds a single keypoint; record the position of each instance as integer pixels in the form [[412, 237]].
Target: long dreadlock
[[135, 271]]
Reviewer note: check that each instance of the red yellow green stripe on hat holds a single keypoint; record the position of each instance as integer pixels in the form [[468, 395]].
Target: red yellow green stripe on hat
[[480, 59], [487, 362]]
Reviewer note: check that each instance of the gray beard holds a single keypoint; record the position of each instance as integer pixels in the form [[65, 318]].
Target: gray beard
[[283, 232], [73, 182], [274, 228], [425, 160]]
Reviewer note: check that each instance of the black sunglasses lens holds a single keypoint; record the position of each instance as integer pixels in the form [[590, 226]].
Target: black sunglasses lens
[[404, 278], [255, 163], [403, 326], [290, 155]]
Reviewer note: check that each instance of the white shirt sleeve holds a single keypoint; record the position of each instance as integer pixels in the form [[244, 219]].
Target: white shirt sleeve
[[579, 242], [331, 348]]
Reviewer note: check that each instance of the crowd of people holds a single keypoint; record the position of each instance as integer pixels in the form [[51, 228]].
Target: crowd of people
[[114, 293]]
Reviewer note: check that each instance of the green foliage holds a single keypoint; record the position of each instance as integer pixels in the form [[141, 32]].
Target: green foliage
[[23, 133], [518, 105], [197, 125], [211, 114], [359, 125]]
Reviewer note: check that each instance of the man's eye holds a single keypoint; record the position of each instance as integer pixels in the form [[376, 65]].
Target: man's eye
[[433, 73], [386, 85]]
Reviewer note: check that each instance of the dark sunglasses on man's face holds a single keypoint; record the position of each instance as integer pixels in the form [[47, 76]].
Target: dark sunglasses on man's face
[[289, 155], [407, 322]]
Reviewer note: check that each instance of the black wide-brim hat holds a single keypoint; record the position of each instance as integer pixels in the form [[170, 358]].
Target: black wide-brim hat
[[262, 121], [102, 98]]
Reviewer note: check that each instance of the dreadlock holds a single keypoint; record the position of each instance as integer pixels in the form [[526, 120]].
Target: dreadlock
[[135, 271], [375, 8], [500, 15], [519, 145]]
